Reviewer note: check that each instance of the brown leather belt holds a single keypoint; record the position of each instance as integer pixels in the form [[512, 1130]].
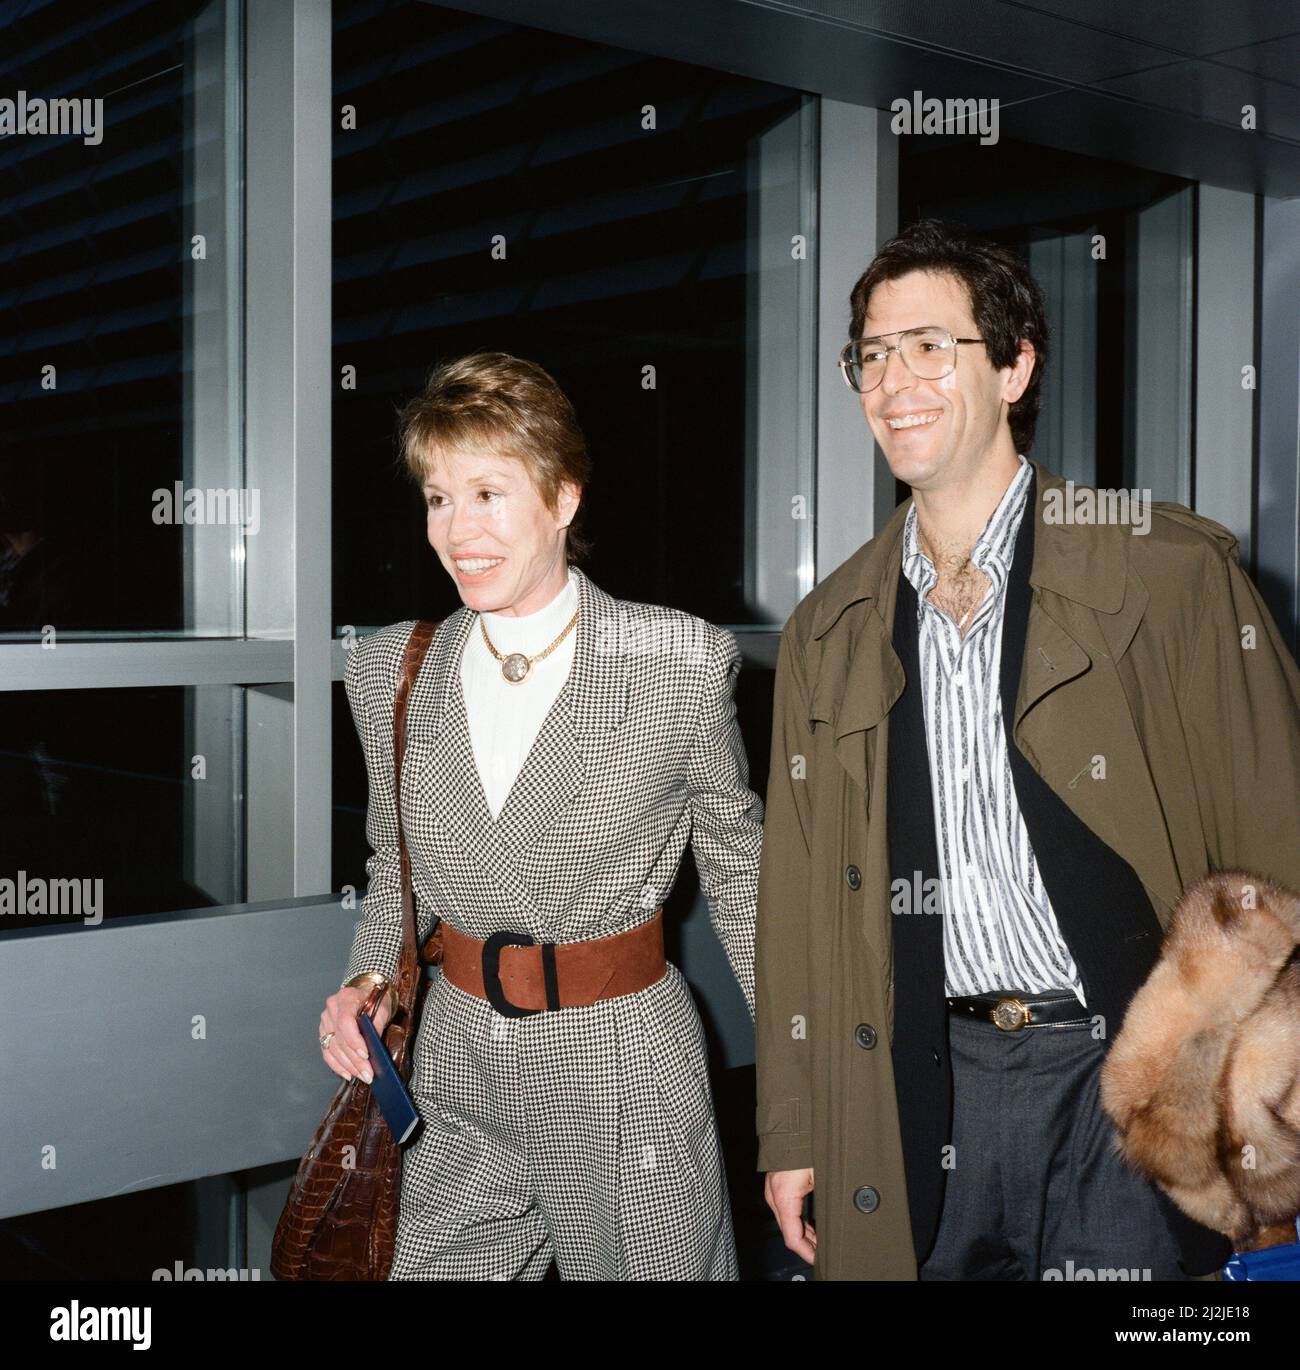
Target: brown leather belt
[[518, 976]]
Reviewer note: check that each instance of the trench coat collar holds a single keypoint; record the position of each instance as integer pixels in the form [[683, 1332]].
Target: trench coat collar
[[1077, 565]]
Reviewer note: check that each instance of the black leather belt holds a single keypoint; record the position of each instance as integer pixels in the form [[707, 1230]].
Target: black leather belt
[[1012, 1013]]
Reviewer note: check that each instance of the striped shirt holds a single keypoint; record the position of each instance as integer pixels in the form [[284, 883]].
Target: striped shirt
[[1000, 932]]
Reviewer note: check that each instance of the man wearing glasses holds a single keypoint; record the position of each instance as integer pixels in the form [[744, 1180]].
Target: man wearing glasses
[[1003, 745]]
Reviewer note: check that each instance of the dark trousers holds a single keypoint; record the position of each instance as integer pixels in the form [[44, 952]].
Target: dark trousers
[[1034, 1189]]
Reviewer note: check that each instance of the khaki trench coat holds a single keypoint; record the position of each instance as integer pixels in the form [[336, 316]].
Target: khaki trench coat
[[1154, 652]]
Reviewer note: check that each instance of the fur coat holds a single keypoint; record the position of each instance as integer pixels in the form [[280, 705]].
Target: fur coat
[[1203, 1080]]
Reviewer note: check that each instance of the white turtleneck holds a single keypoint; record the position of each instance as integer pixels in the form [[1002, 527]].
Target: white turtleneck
[[504, 719]]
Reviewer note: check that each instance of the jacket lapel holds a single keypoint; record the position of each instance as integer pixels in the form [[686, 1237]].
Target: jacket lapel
[[859, 678], [444, 774], [442, 763], [1089, 569], [1075, 571], [591, 703]]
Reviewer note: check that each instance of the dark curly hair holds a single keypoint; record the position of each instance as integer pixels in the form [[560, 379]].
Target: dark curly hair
[[1006, 302]]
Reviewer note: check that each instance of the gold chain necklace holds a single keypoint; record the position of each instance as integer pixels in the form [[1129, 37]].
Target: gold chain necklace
[[516, 666]]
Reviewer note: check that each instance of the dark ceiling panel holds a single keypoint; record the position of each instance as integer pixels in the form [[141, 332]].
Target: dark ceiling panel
[[1278, 60], [1193, 27], [994, 34], [1107, 128], [1208, 91], [1120, 85]]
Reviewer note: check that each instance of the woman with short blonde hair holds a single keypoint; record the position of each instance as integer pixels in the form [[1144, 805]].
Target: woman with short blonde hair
[[562, 747]]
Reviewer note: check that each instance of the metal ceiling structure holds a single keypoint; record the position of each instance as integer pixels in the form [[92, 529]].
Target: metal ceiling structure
[[1160, 85]]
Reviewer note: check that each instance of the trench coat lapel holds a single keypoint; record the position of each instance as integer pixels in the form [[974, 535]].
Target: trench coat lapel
[[1090, 569], [1071, 708], [590, 703], [860, 676]]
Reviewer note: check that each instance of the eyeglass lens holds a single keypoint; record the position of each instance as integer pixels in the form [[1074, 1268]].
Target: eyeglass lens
[[929, 354]]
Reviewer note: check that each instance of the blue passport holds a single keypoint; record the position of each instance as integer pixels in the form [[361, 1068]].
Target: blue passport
[[389, 1091]]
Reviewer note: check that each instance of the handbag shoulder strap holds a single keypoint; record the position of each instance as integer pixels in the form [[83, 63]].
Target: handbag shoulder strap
[[417, 647]]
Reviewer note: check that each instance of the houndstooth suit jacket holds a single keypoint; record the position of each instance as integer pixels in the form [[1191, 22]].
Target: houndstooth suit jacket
[[587, 1133], [640, 752]]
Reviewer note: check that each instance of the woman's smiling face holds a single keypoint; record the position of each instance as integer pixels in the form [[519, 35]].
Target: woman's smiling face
[[493, 532]]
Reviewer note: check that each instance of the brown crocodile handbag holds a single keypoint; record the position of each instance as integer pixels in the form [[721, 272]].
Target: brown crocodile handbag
[[340, 1219]]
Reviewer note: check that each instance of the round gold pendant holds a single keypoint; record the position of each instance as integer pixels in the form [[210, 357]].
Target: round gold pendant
[[515, 667]]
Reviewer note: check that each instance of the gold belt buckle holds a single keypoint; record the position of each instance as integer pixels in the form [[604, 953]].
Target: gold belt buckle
[[1010, 1015]]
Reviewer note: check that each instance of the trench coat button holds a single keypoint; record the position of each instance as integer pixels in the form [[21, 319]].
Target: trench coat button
[[866, 1200], [854, 876], [865, 1035], [935, 1054]]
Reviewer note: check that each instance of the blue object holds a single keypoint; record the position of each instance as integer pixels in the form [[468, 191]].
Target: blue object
[[1273, 1263], [389, 1091]]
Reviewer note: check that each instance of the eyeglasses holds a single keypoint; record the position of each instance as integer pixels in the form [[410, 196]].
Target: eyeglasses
[[928, 353]]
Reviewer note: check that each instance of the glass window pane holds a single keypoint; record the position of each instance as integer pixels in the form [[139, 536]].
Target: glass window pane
[[120, 465], [632, 224], [126, 1237], [119, 802]]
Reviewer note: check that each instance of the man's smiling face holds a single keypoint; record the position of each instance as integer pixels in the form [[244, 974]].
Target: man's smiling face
[[964, 408]]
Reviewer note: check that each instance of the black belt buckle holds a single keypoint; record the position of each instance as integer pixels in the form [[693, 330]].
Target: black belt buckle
[[492, 973]]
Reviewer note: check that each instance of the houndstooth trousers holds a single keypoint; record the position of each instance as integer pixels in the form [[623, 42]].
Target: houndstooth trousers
[[586, 1134]]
